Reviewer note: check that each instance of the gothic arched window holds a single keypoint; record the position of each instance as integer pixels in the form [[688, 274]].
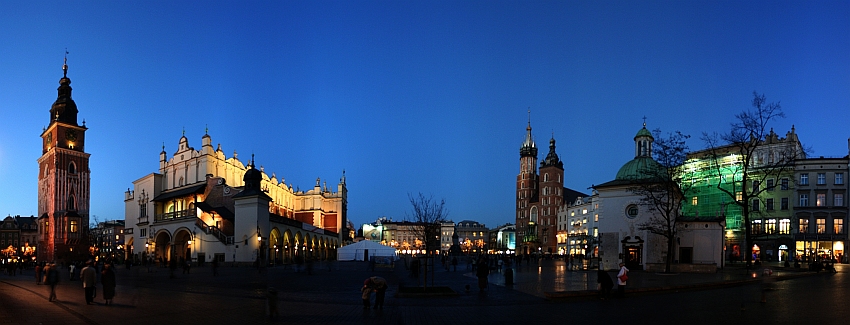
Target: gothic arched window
[[72, 204], [72, 169]]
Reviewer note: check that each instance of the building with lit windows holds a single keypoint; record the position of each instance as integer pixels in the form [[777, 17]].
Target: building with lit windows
[[771, 210], [820, 209], [201, 205], [108, 240], [502, 240], [539, 197], [473, 236], [578, 228], [404, 236]]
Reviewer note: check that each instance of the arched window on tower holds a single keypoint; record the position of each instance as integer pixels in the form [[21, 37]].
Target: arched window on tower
[[533, 215], [72, 169], [72, 204], [546, 177]]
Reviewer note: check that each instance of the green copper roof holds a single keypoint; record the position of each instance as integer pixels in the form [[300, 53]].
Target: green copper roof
[[639, 168], [643, 133]]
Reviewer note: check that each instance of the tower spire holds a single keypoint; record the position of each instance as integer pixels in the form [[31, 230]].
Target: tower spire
[[65, 65]]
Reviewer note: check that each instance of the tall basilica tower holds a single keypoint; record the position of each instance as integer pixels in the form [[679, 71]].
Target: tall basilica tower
[[63, 181], [527, 194]]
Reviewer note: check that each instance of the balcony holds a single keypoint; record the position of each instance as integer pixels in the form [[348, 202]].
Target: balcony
[[176, 215]]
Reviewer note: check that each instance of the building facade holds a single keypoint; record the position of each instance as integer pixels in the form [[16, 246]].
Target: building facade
[[820, 209], [578, 228], [769, 183], [199, 206], [64, 181]]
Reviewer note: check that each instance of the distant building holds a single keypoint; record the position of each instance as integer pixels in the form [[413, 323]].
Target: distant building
[[108, 240], [473, 236], [502, 239], [578, 227]]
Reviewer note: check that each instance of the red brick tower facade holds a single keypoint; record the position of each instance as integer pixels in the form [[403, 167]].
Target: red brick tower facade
[[63, 182], [527, 196], [551, 198]]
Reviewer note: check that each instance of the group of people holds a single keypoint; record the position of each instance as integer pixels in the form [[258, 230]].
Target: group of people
[[48, 273], [375, 284], [606, 284]]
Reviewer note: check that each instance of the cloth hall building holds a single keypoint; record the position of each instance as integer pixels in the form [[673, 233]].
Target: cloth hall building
[[201, 205]]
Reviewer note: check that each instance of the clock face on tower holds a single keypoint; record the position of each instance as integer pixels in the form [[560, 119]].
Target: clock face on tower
[[71, 135]]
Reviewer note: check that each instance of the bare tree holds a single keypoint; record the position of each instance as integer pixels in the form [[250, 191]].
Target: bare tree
[[662, 189], [427, 216], [757, 155]]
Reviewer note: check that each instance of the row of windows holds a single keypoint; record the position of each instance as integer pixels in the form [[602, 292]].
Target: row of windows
[[820, 200], [770, 226], [820, 226], [821, 179]]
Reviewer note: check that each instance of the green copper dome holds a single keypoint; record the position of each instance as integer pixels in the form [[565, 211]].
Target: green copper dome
[[639, 168], [643, 133]]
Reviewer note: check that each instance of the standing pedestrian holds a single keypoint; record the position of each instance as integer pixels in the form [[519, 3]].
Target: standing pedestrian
[[38, 274], [622, 277], [89, 278], [482, 273], [52, 280], [215, 266], [272, 303], [605, 284], [107, 279], [454, 263], [172, 267], [71, 275]]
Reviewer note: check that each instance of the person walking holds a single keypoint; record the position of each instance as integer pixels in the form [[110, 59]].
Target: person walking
[[89, 278], [107, 279], [52, 279], [73, 268], [622, 277]]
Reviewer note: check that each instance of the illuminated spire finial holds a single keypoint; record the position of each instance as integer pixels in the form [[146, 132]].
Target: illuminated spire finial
[[65, 65]]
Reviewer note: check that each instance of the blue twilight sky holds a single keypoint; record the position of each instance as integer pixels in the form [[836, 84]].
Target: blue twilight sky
[[408, 96]]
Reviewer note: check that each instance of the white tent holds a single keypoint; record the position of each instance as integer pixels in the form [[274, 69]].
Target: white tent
[[358, 251]]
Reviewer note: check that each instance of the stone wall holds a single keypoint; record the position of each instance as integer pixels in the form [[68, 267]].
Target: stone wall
[[682, 268]]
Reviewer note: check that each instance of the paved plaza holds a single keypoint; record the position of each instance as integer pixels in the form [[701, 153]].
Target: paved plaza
[[329, 294]]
